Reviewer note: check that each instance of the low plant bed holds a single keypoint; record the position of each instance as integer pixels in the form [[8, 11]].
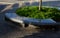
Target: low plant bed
[[34, 12]]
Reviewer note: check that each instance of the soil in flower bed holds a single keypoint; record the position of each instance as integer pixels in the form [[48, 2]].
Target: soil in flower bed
[[34, 12]]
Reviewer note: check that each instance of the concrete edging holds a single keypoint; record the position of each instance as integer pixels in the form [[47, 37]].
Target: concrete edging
[[25, 21]]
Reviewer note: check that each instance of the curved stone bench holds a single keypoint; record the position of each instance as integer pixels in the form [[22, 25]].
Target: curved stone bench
[[25, 21], [12, 17]]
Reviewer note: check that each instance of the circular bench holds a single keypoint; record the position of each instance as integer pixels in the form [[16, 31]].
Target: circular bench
[[24, 20]]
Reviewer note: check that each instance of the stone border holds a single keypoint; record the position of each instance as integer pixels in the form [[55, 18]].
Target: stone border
[[14, 20], [24, 21]]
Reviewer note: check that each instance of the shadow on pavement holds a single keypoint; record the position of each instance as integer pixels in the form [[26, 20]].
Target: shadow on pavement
[[7, 28], [44, 34], [4, 26], [2, 6], [12, 9], [48, 3]]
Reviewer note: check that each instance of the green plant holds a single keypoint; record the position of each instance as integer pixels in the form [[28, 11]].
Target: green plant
[[32, 12]]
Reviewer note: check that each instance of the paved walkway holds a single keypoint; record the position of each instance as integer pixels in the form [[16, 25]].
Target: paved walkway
[[9, 30]]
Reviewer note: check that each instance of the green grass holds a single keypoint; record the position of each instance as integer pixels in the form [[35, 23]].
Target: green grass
[[33, 12]]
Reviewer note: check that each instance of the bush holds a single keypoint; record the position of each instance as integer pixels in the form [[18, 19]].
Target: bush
[[33, 12]]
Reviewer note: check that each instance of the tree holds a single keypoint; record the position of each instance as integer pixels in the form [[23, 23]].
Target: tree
[[40, 5]]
